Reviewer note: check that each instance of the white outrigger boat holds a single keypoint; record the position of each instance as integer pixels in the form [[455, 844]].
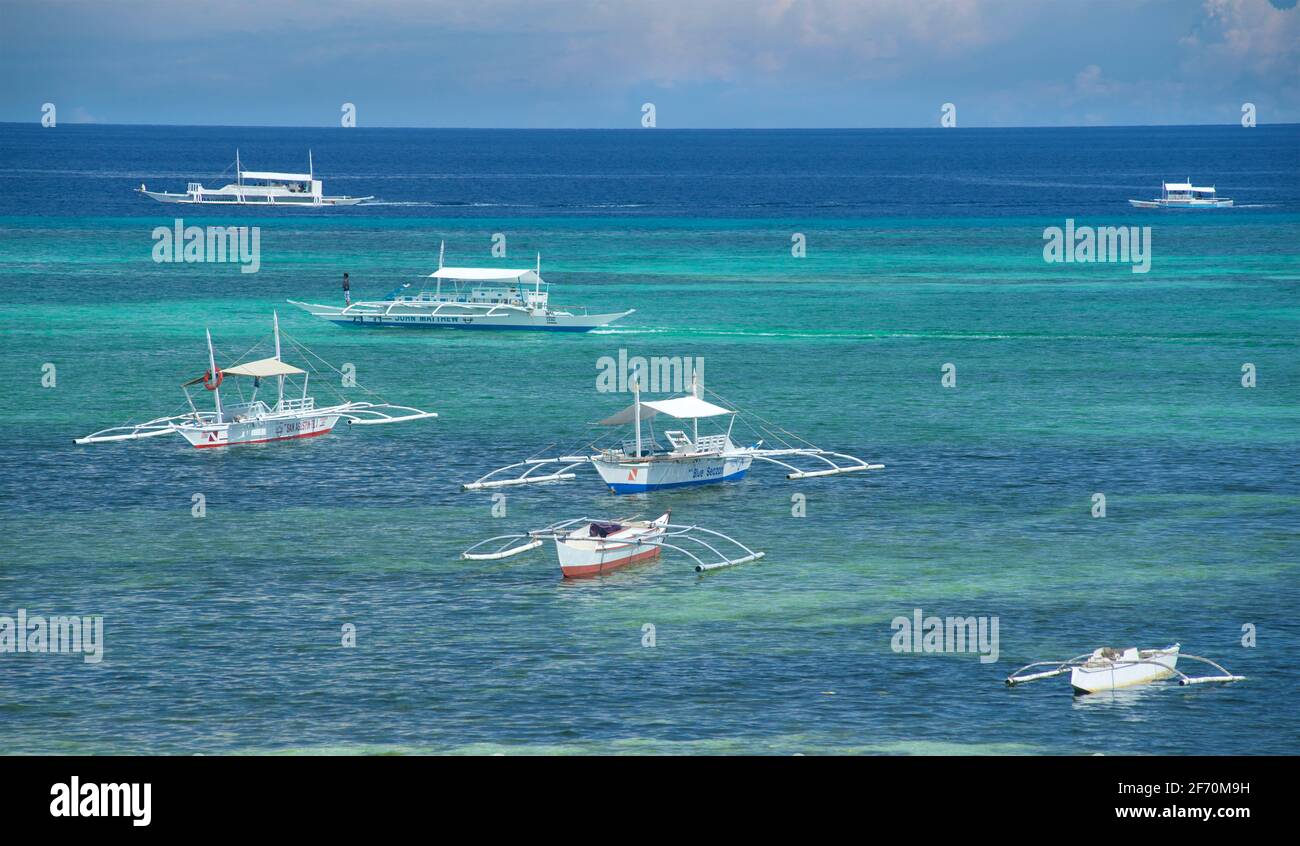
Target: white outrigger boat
[[253, 421], [473, 298], [1184, 195], [259, 188], [587, 547], [1108, 668], [641, 464]]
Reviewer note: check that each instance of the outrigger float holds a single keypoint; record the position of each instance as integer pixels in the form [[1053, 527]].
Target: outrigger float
[[468, 298], [641, 464], [1108, 668], [254, 421], [587, 547]]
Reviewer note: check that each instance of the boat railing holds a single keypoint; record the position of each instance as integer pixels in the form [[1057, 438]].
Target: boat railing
[[711, 443], [462, 298], [298, 404], [239, 411], [627, 449]]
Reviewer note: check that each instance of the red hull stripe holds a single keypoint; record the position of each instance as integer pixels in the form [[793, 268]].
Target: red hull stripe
[[265, 440], [596, 569]]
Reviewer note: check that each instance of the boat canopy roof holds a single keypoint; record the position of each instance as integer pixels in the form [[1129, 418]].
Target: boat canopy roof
[[1187, 186], [683, 408], [261, 367], [275, 176], [687, 408], [485, 274]]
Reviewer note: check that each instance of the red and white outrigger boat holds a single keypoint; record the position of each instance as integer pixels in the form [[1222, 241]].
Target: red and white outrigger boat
[[589, 547], [252, 420]]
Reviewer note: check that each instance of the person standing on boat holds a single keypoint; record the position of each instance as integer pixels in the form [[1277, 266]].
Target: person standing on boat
[[347, 291]]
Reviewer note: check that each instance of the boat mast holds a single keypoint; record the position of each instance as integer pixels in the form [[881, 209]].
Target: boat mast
[[212, 369], [538, 274], [696, 391], [437, 292], [239, 170], [636, 405], [276, 320]]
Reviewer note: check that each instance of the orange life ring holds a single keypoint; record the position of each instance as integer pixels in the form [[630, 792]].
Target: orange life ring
[[207, 379]]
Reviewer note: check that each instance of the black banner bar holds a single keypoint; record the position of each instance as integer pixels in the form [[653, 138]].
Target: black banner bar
[[300, 795]]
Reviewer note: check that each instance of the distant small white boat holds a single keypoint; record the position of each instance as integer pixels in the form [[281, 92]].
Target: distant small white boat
[[1108, 668], [587, 547], [259, 188], [1184, 195]]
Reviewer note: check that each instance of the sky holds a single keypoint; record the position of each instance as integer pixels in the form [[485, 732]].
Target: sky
[[702, 63]]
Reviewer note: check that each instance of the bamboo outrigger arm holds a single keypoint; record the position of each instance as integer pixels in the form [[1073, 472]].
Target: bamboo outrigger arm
[[375, 414], [1185, 679], [833, 468], [562, 474], [138, 431], [504, 552], [1058, 667]]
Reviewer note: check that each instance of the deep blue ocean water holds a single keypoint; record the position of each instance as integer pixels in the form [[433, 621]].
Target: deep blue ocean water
[[924, 248]]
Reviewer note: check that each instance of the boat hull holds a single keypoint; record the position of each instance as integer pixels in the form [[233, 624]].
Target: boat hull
[[504, 319], [583, 557], [1181, 204], [631, 477], [234, 200], [257, 431], [585, 564], [1095, 679]]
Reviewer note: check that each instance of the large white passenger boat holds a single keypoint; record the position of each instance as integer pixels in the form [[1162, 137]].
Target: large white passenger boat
[[260, 188], [468, 298], [1184, 195]]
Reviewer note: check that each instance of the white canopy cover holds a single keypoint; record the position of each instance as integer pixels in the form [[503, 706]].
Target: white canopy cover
[[485, 274], [263, 367], [275, 176], [260, 368], [687, 408], [683, 408]]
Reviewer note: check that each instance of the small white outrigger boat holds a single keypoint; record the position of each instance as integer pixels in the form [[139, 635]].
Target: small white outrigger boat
[[259, 188], [1108, 668], [587, 547], [640, 464], [474, 298], [253, 421], [1184, 195]]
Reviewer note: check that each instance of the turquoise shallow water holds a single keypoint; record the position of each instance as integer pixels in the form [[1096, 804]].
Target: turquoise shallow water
[[223, 633]]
